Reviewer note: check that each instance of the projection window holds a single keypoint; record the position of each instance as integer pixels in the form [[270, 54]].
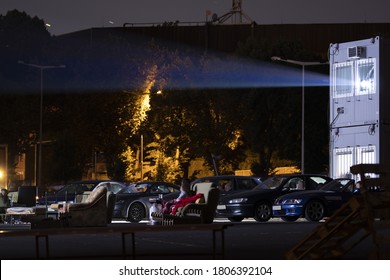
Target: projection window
[[365, 78], [343, 80]]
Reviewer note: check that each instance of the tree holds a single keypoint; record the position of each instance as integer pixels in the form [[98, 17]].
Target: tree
[[197, 121], [273, 115], [22, 37]]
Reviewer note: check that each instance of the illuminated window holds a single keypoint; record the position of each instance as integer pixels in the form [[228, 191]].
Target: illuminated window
[[343, 160], [366, 154], [365, 77], [343, 79], [354, 78]]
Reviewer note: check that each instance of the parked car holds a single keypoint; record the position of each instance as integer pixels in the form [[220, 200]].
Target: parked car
[[257, 203], [134, 201], [70, 191], [317, 204], [231, 184]]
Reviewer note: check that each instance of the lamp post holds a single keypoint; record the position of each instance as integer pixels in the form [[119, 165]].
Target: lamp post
[[41, 68], [302, 64]]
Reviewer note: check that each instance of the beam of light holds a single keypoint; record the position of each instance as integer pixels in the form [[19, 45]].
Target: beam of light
[[244, 73], [117, 70]]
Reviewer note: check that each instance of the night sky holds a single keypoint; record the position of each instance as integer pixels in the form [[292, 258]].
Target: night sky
[[73, 15]]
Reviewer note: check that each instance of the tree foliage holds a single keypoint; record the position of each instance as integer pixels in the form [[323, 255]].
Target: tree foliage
[[274, 129], [105, 99]]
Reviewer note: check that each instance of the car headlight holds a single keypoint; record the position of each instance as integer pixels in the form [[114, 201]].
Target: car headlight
[[292, 201], [238, 200]]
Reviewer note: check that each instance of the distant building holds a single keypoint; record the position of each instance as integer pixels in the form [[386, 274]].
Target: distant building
[[314, 37]]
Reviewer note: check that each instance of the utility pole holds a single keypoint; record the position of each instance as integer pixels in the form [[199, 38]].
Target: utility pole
[[41, 68]]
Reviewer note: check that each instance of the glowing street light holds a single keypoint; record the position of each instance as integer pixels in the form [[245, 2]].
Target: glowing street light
[[303, 64], [4, 172], [41, 68]]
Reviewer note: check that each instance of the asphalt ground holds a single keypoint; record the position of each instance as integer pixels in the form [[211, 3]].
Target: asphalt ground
[[248, 240]]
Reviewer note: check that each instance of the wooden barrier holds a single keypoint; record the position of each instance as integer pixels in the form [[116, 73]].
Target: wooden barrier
[[375, 188], [364, 215]]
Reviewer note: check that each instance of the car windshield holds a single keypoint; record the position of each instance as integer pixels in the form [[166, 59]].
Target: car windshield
[[270, 183], [337, 185], [135, 188]]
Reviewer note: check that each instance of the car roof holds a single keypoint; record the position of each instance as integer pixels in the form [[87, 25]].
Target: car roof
[[94, 182], [226, 176], [299, 174], [90, 181], [153, 182], [295, 174]]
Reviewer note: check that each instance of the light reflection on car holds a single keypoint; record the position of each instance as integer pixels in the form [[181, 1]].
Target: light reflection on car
[[134, 201], [317, 204], [257, 203], [70, 191]]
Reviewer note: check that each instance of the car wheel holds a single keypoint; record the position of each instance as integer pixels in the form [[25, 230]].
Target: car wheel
[[314, 211], [235, 219], [136, 213], [263, 212], [290, 218]]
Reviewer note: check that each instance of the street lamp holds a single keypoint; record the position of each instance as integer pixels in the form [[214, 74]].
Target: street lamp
[[303, 64], [41, 67]]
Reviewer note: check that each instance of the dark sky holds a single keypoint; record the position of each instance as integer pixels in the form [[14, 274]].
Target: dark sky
[[66, 16]]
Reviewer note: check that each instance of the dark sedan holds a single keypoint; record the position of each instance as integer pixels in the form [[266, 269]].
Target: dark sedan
[[317, 204], [257, 203], [69, 192], [133, 202]]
